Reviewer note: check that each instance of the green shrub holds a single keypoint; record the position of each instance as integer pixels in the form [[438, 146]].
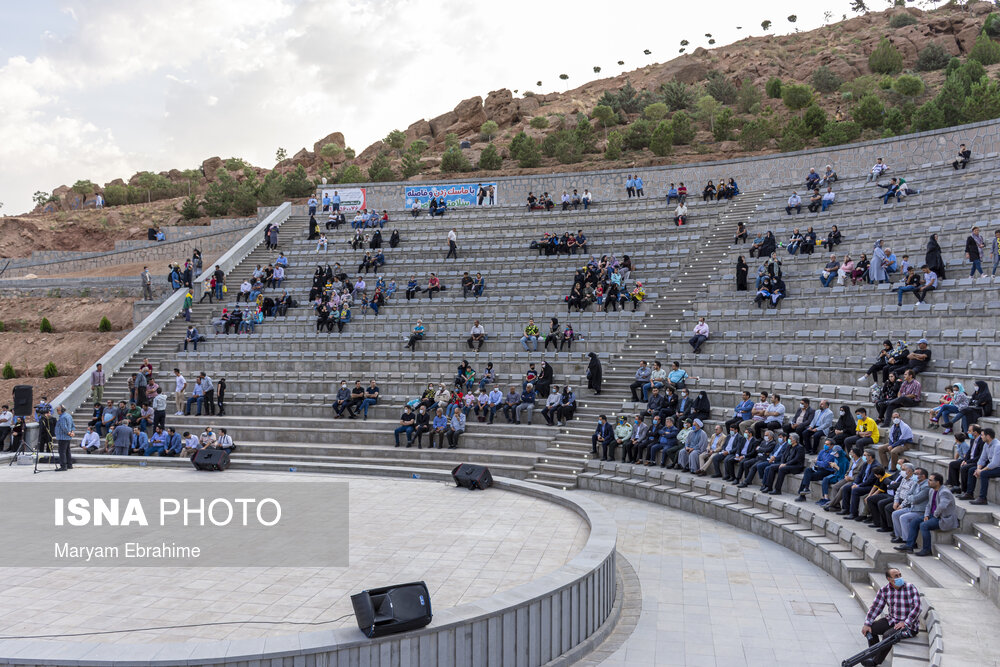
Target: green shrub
[[396, 140], [349, 173], [932, 57], [605, 115], [886, 58], [379, 170], [983, 103], [45, 326], [815, 120], [330, 151], [722, 124], [662, 140], [488, 130], [748, 98], [968, 73], [773, 88], [245, 198], [836, 134], [297, 183], [885, 83], [901, 20], [682, 128], [625, 100], [656, 111], [454, 160], [567, 152], [895, 122], [613, 150], [8, 372], [755, 135], [105, 324], [908, 85], [525, 150], [349, 153], [489, 159], [191, 208], [1, 325], [271, 191], [50, 370], [985, 51], [584, 135], [793, 135], [450, 140], [928, 116], [796, 96], [637, 135], [411, 164], [869, 112], [539, 122], [721, 88], [677, 95], [824, 80], [992, 25], [950, 100]]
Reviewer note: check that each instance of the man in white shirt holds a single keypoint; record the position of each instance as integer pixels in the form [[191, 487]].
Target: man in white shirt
[[452, 244], [91, 442], [496, 400], [929, 285], [6, 425], [245, 288], [828, 198], [681, 214], [795, 201], [191, 444], [477, 336], [586, 199], [180, 384], [878, 169], [700, 335]]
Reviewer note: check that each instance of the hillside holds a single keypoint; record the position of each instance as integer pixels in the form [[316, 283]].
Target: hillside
[[709, 104]]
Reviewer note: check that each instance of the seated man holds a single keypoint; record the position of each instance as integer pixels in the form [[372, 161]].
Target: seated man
[[828, 198], [815, 201], [829, 272], [941, 514], [879, 168], [911, 283], [681, 214], [964, 155], [829, 176], [825, 466], [903, 600], [987, 468], [742, 411], [812, 179], [671, 193], [603, 434], [892, 189], [795, 201], [929, 282]]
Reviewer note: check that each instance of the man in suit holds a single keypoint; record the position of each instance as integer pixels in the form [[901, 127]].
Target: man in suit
[[960, 467], [602, 434], [940, 515], [910, 512], [792, 463], [801, 419], [767, 453], [815, 433], [733, 444], [733, 464], [987, 469]]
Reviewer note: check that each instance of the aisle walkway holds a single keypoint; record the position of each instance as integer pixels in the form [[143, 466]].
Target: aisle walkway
[[715, 596]]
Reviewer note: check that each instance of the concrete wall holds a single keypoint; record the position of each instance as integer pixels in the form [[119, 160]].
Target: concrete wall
[[756, 173]]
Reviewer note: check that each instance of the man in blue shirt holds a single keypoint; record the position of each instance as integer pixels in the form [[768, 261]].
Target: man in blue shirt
[[174, 443], [630, 186], [638, 186], [742, 411], [335, 201], [815, 433], [197, 397], [312, 206], [371, 397], [438, 428], [672, 194], [987, 468], [64, 431], [157, 443], [326, 202]]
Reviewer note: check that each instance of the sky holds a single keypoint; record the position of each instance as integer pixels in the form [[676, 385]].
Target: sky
[[101, 90]]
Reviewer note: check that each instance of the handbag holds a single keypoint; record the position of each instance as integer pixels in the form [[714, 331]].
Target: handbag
[[225, 289]]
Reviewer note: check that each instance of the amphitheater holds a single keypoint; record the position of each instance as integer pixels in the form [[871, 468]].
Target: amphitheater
[[601, 562]]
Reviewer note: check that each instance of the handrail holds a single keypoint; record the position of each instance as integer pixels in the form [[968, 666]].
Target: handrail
[[77, 392]]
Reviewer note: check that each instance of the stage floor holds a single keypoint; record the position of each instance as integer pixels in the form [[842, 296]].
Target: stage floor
[[465, 545]]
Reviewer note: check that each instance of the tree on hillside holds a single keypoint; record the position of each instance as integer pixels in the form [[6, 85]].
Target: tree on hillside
[[597, 70], [379, 170], [330, 151], [489, 159], [83, 188], [280, 154], [487, 130], [396, 140], [766, 25], [149, 181], [859, 7], [40, 198]]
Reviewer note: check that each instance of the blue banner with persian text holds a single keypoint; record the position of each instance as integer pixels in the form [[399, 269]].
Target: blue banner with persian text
[[457, 194]]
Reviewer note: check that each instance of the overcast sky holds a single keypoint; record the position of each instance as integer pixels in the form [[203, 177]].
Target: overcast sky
[[100, 90]]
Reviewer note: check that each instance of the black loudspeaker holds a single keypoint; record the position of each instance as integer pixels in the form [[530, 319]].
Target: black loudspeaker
[[472, 476], [23, 400], [392, 609], [211, 458]]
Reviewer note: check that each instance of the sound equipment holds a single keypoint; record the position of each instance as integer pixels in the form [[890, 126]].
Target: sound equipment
[[23, 400], [887, 642], [392, 609], [211, 458], [472, 476]]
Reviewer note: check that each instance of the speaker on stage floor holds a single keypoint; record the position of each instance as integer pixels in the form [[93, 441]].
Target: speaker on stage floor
[[23, 400], [211, 458], [472, 476], [392, 609]]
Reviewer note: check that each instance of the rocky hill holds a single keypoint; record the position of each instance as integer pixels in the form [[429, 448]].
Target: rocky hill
[[726, 95]]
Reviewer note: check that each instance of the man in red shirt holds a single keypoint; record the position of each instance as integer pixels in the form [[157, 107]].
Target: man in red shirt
[[903, 601]]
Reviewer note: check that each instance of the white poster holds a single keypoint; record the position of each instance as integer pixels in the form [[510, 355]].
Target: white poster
[[352, 200]]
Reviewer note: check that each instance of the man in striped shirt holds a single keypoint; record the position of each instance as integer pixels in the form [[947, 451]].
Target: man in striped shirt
[[903, 600]]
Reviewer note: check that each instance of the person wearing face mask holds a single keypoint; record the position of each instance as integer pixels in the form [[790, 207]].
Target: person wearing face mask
[[633, 448], [882, 490], [825, 465], [715, 446], [343, 401], [801, 419], [865, 431], [840, 493], [422, 425], [874, 479], [734, 465], [814, 434], [695, 443], [730, 447], [900, 439], [769, 448], [902, 486], [941, 513], [551, 408], [844, 427], [903, 615], [774, 416], [912, 507], [792, 462], [968, 449], [684, 405]]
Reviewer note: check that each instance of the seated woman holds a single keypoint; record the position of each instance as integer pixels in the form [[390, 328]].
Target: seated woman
[[708, 193], [794, 242], [808, 242], [846, 269], [720, 190], [860, 272], [702, 408], [778, 291], [763, 292], [834, 238], [733, 188]]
